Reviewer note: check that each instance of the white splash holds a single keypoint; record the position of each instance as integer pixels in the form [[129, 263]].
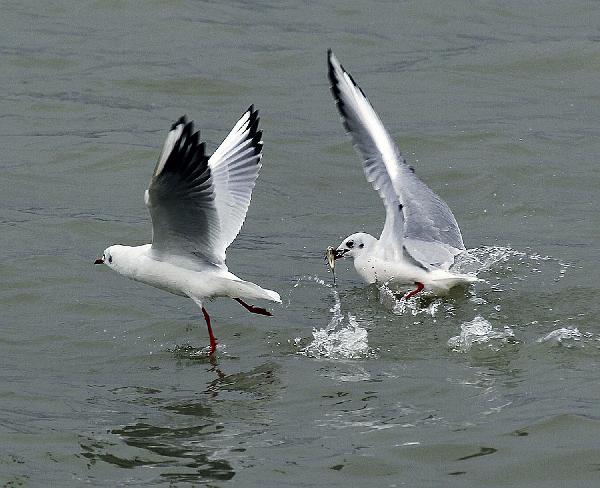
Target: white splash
[[316, 279], [563, 334], [479, 331], [339, 340], [401, 306], [483, 258]]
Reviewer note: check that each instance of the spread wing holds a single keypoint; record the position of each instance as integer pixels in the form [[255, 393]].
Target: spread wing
[[198, 203], [417, 220], [235, 166]]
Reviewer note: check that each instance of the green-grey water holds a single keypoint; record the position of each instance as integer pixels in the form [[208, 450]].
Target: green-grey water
[[497, 106]]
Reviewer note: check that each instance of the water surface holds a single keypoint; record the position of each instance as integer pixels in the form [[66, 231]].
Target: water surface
[[495, 104]]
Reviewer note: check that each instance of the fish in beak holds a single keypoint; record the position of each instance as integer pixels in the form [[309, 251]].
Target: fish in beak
[[331, 255]]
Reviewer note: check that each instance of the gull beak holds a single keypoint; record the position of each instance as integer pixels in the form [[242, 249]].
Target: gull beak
[[99, 261], [339, 253], [332, 254]]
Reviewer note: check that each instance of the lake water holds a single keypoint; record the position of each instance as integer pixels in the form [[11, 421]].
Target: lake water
[[496, 104]]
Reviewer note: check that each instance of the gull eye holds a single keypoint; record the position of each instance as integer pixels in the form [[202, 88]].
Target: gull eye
[[361, 246], [350, 244], [110, 259]]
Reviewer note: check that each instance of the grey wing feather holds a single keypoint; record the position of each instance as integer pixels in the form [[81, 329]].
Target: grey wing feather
[[181, 197], [414, 213]]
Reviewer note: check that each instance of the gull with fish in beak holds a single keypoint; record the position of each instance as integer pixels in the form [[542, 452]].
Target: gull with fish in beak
[[420, 237], [198, 204]]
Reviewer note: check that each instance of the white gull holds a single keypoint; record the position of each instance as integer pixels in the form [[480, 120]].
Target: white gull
[[420, 237], [198, 204]]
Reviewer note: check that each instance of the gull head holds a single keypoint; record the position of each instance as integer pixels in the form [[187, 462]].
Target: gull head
[[109, 257], [355, 245]]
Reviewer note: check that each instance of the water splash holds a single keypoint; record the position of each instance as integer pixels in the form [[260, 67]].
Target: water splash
[[188, 351], [480, 331], [401, 306], [303, 281], [506, 259], [474, 261], [316, 279], [483, 258], [338, 340], [566, 336]]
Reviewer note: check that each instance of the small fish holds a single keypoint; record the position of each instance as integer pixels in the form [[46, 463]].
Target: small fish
[[330, 256]]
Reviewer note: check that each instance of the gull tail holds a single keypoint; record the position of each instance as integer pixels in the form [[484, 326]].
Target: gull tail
[[247, 289], [442, 281]]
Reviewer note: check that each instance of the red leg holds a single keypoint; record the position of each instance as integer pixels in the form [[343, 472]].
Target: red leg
[[253, 309], [420, 286], [213, 341]]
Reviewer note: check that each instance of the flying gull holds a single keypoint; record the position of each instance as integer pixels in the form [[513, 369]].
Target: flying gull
[[198, 204]]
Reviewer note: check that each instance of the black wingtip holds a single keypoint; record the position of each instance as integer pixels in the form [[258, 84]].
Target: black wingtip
[[332, 75], [335, 89], [188, 131], [187, 155], [253, 123], [333, 80], [181, 121], [254, 134], [257, 141], [330, 58], [252, 111], [253, 118]]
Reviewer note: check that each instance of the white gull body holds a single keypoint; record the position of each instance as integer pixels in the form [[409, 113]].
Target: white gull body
[[198, 205], [420, 238]]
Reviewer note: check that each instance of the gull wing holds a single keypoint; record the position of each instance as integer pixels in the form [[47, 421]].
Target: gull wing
[[235, 166], [417, 220], [198, 203]]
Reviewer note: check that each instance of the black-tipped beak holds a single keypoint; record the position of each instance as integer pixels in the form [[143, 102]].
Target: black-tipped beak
[[339, 253], [99, 261]]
